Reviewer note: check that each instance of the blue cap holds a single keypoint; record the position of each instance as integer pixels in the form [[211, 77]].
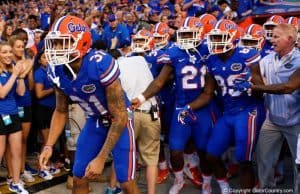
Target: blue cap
[[153, 12], [111, 17]]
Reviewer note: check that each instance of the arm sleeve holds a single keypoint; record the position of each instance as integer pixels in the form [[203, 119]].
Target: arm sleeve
[[108, 70], [165, 58], [253, 57]]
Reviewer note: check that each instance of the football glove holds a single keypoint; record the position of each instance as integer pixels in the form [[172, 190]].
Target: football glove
[[186, 115]]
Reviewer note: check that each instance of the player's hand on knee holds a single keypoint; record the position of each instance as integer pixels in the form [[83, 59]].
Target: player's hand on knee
[[186, 115], [94, 168]]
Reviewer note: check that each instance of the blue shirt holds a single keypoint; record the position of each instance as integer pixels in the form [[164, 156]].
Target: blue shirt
[[98, 70], [196, 9], [24, 100], [267, 49], [167, 93], [45, 20], [132, 29], [120, 32], [225, 72], [8, 105], [243, 6], [216, 8], [40, 76]]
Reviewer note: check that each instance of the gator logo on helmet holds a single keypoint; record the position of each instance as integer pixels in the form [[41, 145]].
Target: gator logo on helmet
[[76, 27], [230, 26]]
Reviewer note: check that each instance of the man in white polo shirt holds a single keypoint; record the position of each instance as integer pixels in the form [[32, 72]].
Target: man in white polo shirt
[[135, 77]]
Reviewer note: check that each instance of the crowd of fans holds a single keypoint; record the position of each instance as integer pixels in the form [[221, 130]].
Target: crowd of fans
[[28, 98]]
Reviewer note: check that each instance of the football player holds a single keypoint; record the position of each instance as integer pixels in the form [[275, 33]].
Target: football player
[[268, 26], [226, 64], [89, 77], [183, 61]]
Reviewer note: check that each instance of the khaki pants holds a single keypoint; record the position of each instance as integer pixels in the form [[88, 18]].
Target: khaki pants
[[76, 121], [147, 134]]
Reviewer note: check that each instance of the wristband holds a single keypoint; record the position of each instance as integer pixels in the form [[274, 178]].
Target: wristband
[[48, 147], [141, 98]]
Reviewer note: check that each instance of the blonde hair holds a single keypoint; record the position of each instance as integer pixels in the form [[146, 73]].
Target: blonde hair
[[13, 39], [289, 30], [9, 67]]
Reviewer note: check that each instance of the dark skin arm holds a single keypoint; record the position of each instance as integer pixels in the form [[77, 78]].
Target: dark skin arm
[[58, 121], [205, 97], [155, 86], [256, 75], [256, 79], [284, 88], [117, 109], [59, 117]]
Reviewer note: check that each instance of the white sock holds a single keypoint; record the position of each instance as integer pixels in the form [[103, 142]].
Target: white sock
[[179, 175], [206, 187], [224, 186], [206, 179], [191, 160], [163, 165]]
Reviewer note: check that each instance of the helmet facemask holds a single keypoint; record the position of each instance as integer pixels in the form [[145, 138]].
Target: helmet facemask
[[160, 41], [140, 44], [249, 41], [66, 53], [61, 49], [268, 27], [188, 38], [219, 41]]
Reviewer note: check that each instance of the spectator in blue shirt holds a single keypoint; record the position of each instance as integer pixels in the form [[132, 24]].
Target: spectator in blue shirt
[[115, 35], [44, 92], [195, 7], [10, 126], [45, 18], [219, 10], [244, 9], [130, 22]]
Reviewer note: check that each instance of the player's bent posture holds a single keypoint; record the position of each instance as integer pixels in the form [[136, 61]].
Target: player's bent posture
[[90, 78]]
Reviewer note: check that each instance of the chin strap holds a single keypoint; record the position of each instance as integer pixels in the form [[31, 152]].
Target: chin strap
[[71, 70], [52, 75]]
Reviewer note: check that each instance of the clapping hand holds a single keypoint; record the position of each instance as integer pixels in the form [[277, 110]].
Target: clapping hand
[[18, 69]]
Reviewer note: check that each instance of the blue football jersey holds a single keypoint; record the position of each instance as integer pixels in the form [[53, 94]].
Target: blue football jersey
[[225, 72], [267, 49], [166, 94], [98, 70], [153, 56], [189, 72]]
